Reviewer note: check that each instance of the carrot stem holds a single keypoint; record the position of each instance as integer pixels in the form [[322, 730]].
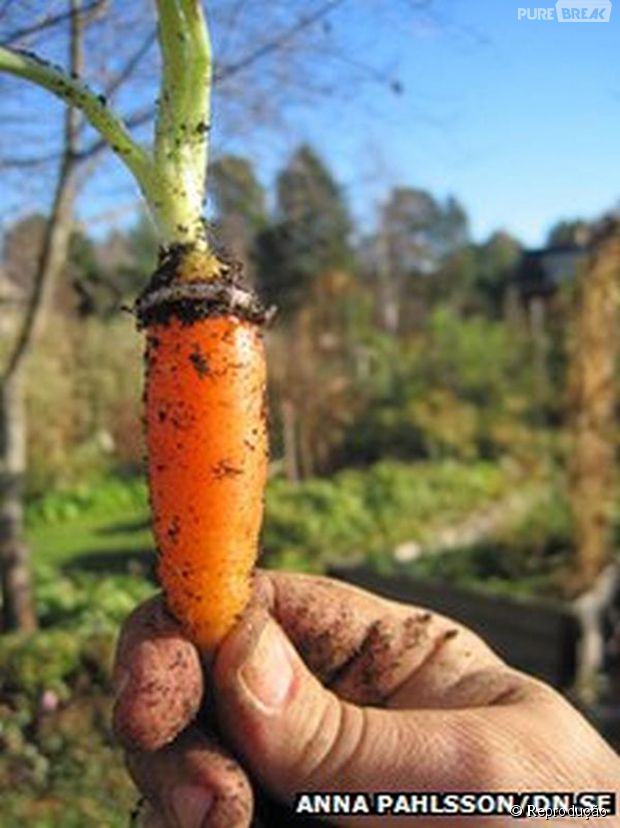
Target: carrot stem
[[183, 121]]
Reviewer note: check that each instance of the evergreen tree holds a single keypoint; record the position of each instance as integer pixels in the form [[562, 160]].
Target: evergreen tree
[[236, 191], [567, 233], [240, 208], [311, 234], [497, 262], [418, 236]]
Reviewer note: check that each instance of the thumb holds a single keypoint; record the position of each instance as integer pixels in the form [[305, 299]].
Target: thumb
[[296, 735], [292, 732]]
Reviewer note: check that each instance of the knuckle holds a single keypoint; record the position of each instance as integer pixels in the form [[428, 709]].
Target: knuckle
[[334, 745]]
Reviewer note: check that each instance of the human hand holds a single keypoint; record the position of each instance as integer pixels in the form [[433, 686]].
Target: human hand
[[322, 686]]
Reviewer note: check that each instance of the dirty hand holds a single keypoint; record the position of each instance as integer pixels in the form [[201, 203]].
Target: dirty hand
[[322, 686]]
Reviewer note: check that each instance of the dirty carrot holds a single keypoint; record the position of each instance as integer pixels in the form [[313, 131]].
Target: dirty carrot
[[205, 417], [207, 449], [207, 455]]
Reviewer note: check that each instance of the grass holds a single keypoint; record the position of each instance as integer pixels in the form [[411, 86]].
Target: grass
[[123, 534], [102, 528]]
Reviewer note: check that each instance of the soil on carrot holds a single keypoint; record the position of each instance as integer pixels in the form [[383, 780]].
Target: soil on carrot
[[225, 469], [170, 265], [199, 361], [215, 299]]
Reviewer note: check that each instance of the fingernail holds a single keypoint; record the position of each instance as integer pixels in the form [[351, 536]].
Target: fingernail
[[267, 674], [191, 804]]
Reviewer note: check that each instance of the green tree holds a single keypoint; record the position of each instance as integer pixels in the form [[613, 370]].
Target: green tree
[[240, 208], [127, 257], [420, 230], [496, 263], [568, 232], [96, 293], [143, 245], [477, 278], [418, 235], [455, 283], [236, 191], [453, 228], [409, 222], [311, 232], [108, 274]]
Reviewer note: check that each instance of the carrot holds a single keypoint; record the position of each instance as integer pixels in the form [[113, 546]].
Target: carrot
[[205, 365], [207, 463]]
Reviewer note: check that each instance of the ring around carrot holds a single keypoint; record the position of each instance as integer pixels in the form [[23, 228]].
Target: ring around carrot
[[206, 436]]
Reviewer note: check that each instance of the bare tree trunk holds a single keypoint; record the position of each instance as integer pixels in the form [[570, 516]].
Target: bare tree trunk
[[388, 293], [18, 609], [289, 440], [17, 600], [538, 331], [593, 399], [306, 455]]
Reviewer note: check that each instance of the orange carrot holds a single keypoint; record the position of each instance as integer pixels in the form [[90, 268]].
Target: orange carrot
[[207, 458]]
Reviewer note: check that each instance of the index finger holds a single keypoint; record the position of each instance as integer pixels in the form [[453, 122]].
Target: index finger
[[158, 679], [369, 649]]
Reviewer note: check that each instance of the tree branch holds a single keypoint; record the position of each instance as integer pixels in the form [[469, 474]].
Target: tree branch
[[276, 43], [137, 119], [76, 93], [58, 227], [49, 22], [132, 63], [221, 74]]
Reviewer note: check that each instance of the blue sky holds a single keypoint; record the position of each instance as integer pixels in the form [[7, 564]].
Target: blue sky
[[519, 120]]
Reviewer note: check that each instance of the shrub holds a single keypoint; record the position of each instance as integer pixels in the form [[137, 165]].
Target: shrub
[[60, 765], [92, 603], [85, 416], [104, 496], [529, 555], [462, 388], [361, 514]]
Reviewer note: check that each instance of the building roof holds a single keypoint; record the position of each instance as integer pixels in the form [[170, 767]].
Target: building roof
[[542, 271]]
